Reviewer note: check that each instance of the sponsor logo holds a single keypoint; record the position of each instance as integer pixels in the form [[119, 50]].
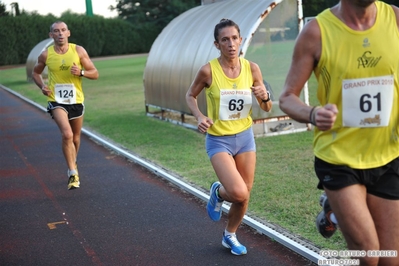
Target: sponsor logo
[[366, 60], [371, 120]]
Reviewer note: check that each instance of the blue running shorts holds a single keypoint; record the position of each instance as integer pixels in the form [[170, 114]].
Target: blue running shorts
[[232, 144]]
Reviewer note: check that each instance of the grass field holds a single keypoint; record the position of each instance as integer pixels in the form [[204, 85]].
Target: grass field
[[284, 192]]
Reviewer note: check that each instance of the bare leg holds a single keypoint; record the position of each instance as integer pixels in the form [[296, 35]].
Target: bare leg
[[385, 214], [68, 147], [349, 205], [76, 125], [237, 177]]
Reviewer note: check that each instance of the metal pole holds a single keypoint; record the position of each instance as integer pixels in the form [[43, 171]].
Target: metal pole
[[89, 8]]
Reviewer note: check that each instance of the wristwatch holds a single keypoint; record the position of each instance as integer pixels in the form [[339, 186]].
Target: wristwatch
[[268, 97], [82, 72]]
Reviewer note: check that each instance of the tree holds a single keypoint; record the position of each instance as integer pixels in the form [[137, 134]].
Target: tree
[[15, 7], [3, 11], [156, 12], [313, 7], [149, 17]]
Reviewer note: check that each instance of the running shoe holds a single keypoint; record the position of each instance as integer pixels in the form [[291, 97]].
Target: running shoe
[[76, 169], [214, 206], [323, 222], [231, 242], [73, 182]]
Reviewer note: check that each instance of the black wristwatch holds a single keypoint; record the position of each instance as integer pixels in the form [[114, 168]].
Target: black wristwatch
[[82, 72], [268, 97]]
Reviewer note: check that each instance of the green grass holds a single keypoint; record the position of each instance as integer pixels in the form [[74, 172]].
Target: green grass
[[284, 192]]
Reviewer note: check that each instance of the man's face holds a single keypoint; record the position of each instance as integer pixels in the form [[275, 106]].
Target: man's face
[[60, 33]]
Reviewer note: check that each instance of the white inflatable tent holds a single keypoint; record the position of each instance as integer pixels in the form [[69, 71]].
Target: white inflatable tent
[[268, 28], [33, 55]]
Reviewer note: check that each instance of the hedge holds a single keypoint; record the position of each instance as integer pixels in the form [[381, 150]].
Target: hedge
[[98, 35]]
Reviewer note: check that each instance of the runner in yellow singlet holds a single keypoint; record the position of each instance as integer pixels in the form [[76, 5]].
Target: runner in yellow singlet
[[67, 64], [229, 82], [353, 49]]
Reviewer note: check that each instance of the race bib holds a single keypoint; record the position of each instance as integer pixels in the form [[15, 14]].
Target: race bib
[[65, 93], [367, 102], [235, 104]]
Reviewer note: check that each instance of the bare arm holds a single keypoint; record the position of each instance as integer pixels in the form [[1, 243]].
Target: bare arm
[[306, 55], [202, 79], [37, 73], [90, 71], [259, 89]]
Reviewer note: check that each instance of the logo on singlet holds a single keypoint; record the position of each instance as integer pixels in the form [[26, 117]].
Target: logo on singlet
[[368, 61], [366, 42], [63, 66]]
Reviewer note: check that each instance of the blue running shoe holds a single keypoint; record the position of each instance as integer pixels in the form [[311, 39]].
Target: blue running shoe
[[232, 243], [214, 206]]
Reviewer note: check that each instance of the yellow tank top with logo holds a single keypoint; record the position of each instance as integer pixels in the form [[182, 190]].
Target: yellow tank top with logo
[[66, 88], [229, 101], [358, 71]]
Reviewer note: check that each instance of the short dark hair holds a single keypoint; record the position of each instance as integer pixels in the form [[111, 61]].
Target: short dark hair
[[223, 24], [57, 22]]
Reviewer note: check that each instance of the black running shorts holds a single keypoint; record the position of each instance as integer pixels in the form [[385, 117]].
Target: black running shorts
[[382, 181], [73, 110]]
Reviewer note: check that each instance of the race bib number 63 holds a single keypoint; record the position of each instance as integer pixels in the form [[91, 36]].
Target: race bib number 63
[[235, 104]]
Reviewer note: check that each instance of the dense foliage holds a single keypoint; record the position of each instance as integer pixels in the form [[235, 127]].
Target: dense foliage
[[100, 36], [138, 24], [3, 10]]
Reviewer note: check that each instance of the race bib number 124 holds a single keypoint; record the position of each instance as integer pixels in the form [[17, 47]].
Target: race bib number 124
[[65, 93]]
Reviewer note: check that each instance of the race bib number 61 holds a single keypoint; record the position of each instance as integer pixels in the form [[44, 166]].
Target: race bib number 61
[[367, 102]]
